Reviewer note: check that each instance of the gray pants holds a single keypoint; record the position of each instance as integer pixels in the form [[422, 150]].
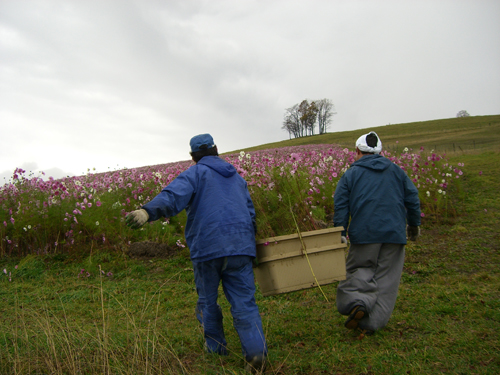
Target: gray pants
[[373, 273]]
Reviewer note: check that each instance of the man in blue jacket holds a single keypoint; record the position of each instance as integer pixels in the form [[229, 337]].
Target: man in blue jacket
[[379, 205], [220, 232]]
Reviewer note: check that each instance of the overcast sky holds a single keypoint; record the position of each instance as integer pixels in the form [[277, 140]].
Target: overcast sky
[[111, 84]]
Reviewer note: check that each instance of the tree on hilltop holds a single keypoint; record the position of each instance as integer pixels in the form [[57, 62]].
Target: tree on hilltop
[[300, 119], [463, 113], [308, 113], [292, 123], [326, 111]]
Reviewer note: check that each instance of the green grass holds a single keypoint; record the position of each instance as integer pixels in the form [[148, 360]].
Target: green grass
[[57, 319], [455, 135]]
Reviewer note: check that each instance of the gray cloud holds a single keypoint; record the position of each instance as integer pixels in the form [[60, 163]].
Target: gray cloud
[[112, 84]]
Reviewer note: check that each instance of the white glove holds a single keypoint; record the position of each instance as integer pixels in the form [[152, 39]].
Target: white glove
[[136, 219], [343, 239]]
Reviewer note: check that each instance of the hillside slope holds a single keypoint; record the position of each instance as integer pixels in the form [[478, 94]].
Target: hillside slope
[[454, 135]]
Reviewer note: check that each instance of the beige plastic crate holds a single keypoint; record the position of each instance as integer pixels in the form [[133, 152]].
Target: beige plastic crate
[[283, 267]]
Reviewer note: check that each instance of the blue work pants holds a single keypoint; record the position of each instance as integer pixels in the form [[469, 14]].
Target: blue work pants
[[238, 283]]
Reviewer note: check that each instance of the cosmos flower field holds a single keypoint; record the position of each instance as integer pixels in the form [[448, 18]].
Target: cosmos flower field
[[40, 215]]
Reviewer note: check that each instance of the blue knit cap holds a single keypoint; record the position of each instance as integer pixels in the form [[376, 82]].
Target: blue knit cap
[[201, 142]]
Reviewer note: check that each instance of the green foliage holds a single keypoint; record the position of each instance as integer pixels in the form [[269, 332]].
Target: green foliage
[[93, 310], [140, 318], [280, 207], [30, 267], [450, 136], [46, 220]]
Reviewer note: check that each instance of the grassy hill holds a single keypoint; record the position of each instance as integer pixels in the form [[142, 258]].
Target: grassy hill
[[454, 135], [102, 312]]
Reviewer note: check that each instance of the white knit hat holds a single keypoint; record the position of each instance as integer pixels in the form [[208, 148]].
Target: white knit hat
[[363, 147]]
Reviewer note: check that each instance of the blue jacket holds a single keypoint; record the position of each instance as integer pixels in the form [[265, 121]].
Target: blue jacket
[[379, 198], [220, 212]]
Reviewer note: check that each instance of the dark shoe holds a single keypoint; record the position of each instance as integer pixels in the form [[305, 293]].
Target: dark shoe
[[256, 365], [357, 313]]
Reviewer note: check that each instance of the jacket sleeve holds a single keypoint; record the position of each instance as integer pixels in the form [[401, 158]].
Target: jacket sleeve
[[341, 205], [251, 210], [173, 198], [412, 203]]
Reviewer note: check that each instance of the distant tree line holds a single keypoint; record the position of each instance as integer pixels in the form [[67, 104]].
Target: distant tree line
[[301, 119]]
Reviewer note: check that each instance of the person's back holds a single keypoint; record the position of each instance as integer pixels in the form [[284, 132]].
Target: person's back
[[374, 192], [374, 200], [220, 214], [220, 233]]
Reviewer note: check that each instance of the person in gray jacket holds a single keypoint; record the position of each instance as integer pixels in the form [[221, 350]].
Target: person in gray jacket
[[379, 206]]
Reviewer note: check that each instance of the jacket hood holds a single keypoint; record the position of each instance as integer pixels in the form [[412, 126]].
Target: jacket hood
[[375, 162], [217, 164]]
